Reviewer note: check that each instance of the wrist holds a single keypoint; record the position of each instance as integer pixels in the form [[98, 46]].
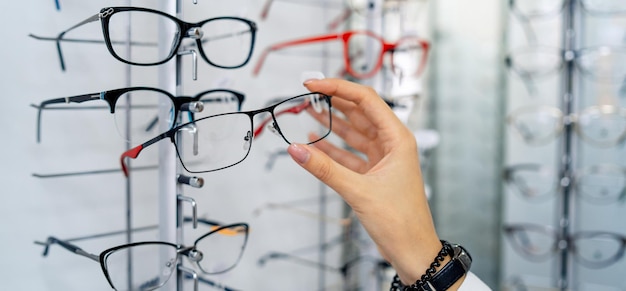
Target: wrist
[[446, 272]]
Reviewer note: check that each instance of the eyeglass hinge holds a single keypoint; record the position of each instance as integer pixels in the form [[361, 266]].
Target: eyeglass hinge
[[107, 12]]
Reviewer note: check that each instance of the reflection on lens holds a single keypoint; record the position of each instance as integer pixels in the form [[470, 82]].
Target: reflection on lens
[[214, 142], [152, 263], [296, 117], [227, 42], [222, 248], [137, 114], [147, 32]]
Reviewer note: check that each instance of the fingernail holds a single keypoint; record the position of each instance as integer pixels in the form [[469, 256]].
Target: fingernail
[[309, 81], [299, 153]]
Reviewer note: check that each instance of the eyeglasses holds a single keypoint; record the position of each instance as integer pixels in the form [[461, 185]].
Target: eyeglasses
[[350, 7], [603, 64], [154, 262], [538, 9], [600, 125], [602, 183], [526, 10], [145, 103], [364, 51], [223, 42], [226, 138], [592, 249]]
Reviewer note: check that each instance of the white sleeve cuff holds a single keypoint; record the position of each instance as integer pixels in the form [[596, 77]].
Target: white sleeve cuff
[[473, 283]]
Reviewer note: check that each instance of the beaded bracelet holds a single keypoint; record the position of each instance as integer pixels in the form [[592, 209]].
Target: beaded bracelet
[[446, 250]]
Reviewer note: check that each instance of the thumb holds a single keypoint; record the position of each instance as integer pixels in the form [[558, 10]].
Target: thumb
[[322, 167]]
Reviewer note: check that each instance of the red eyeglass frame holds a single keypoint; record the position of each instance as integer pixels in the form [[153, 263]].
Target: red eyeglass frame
[[345, 37]]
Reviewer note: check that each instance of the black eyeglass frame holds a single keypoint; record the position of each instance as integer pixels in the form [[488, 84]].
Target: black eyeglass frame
[[171, 134], [111, 97], [180, 249], [183, 26]]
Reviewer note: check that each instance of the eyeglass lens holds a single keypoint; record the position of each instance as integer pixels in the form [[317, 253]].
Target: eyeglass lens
[[537, 126], [142, 120], [364, 52], [605, 6], [604, 128], [154, 262], [534, 183], [225, 139], [546, 8], [538, 8], [407, 57], [221, 250], [225, 42], [152, 266]]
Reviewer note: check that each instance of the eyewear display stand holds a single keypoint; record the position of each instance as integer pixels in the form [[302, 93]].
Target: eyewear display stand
[[567, 154], [170, 225], [586, 72]]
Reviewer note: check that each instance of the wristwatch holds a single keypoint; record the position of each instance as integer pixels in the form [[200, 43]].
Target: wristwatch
[[456, 268]]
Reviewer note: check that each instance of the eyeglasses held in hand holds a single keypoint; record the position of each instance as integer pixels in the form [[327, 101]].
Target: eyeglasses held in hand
[[364, 51], [223, 42], [592, 249], [600, 125], [526, 11], [215, 252], [225, 139], [601, 183], [602, 64], [144, 104]]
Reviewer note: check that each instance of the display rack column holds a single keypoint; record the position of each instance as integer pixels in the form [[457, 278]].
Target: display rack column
[[567, 154], [169, 80]]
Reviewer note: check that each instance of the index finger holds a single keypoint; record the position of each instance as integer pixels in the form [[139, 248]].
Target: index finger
[[374, 108]]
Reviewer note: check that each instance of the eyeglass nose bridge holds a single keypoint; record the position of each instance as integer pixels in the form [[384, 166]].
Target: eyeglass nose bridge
[[195, 255], [195, 33]]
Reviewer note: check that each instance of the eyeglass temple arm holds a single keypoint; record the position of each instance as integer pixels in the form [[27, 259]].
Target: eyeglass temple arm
[[299, 260], [68, 246], [76, 99], [134, 152], [59, 38], [266, 9], [279, 46], [295, 110], [209, 282]]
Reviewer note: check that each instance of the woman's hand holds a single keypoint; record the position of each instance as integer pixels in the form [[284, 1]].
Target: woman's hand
[[385, 188]]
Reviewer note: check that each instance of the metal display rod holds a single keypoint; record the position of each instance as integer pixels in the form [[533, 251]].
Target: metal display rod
[[169, 80], [567, 154]]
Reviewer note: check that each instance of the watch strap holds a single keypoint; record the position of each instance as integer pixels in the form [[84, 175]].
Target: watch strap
[[456, 268]]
